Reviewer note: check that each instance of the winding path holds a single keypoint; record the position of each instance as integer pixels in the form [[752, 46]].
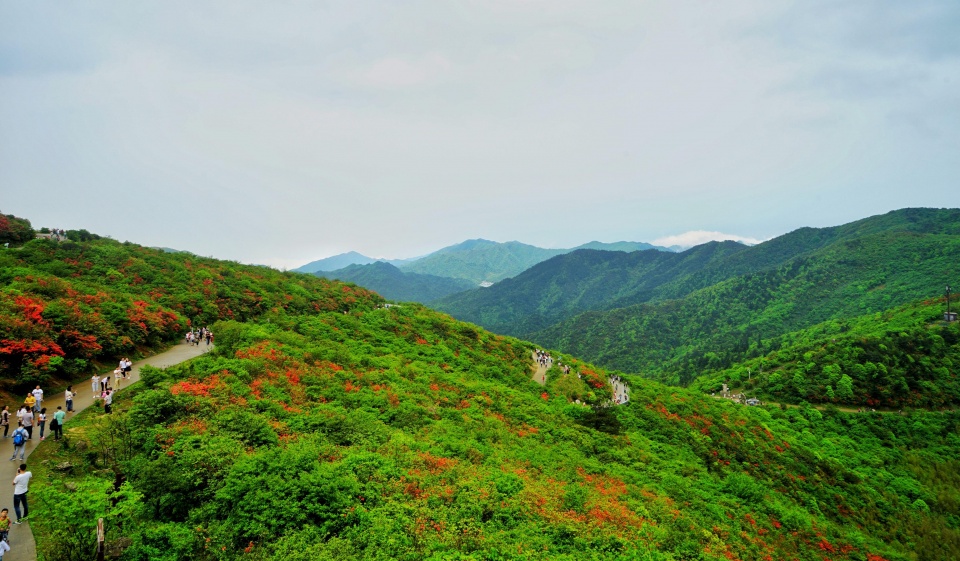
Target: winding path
[[22, 545], [621, 391]]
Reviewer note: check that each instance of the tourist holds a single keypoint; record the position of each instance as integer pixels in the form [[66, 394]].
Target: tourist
[[57, 424], [95, 384], [5, 420], [30, 401], [19, 442], [28, 423], [108, 402], [38, 396], [42, 420], [21, 485], [69, 398]]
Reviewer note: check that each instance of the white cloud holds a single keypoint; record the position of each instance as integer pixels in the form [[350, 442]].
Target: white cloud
[[697, 237]]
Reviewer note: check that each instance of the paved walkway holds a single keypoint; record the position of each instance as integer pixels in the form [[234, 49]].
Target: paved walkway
[[22, 545]]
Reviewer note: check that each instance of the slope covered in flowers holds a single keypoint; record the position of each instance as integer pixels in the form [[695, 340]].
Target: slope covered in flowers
[[64, 306], [326, 425]]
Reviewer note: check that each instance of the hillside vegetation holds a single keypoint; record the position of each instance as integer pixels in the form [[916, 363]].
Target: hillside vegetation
[[325, 425], [874, 265], [903, 357], [66, 306], [394, 284], [576, 282], [486, 261]]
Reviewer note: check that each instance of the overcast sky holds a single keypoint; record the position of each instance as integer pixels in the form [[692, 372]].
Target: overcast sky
[[283, 132]]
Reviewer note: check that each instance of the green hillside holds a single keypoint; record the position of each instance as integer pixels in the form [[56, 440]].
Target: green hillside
[[481, 260], [327, 426], [578, 282], [394, 284], [583, 280], [713, 327], [64, 307], [903, 357]]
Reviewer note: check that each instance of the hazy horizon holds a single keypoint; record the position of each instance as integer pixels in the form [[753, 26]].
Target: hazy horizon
[[282, 134]]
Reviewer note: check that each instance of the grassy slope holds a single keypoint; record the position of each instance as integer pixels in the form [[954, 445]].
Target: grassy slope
[[402, 434], [67, 306]]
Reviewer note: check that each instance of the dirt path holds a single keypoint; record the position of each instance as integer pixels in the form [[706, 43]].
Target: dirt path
[[22, 545]]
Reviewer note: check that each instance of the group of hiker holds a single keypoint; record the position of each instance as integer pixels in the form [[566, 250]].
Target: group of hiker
[[195, 336], [31, 414]]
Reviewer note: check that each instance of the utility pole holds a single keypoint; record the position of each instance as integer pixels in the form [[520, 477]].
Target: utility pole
[[948, 302]]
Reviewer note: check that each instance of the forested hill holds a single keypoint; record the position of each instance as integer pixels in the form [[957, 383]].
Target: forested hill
[[394, 284], [481, 260], [575, 282], [714, 327], [903, 357], [578, 282], [325, 425]]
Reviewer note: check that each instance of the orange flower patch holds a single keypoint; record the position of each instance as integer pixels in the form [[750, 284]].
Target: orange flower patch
[[436, 464], [201, 389]]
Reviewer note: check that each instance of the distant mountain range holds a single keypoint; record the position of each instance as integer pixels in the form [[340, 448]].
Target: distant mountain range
[[345, 260], [480, 262]]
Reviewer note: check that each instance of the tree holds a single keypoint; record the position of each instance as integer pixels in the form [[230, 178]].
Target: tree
[[845, 388], [15, 230]]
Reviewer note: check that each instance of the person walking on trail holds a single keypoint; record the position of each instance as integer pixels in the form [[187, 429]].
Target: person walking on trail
[[95, 384], [5, 420], [56, 425], [42, 421], [19, 443], [68, 397], [38, 396], [30, 401], [28, 423], [21, 485]]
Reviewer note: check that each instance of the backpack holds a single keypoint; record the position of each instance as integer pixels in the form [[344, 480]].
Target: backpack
[[18, 438]]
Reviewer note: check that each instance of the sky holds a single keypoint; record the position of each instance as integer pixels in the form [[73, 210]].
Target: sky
[[278, 133]]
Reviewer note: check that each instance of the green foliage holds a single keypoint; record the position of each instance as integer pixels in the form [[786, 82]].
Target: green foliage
[[899, 358], [399, 433], [65, 306], [394, 284]]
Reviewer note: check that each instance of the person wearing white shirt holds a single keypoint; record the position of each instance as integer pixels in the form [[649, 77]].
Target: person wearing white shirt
[[21, 484], [38, 395]]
